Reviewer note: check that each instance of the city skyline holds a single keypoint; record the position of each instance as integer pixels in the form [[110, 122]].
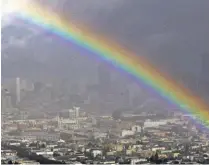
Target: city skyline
[[105, 82]]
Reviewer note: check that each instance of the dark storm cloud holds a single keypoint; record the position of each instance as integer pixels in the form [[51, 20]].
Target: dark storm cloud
[[173, 33]]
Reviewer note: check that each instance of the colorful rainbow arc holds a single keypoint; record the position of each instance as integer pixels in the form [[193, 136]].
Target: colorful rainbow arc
[[134, 65]]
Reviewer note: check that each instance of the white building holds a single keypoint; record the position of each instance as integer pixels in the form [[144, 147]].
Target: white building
[[151, 123], [127, 133], [69, 124], [99, 135], [44, 152], [71, 113], [96, 152], [136, 128], [77, 111], [70, 120]]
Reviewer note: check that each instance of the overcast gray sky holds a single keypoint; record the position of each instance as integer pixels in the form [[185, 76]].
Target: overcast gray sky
[[172, 33]]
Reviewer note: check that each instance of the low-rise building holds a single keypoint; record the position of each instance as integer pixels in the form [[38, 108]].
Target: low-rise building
[[40, 135]]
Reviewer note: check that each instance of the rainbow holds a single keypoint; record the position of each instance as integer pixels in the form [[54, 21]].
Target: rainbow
[[135, 65]]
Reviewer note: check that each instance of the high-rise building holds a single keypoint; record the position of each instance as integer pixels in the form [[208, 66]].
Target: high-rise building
[[6, 103], [59, 123], [73, 113], [104, 76], [23, 115], [125, 98], [104, 82], [18, 90], [6, 99], [26, 85], [77, 111]]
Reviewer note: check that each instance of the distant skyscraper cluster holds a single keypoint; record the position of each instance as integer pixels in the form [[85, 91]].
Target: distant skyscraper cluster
[[104, 77], [22, 86], [6, 100], [13, 90]]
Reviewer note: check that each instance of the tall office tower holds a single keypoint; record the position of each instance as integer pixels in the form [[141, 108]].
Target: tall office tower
[[77, 111], [124, 98], [59, 122], [74, 113], [6, 100], [71, 114], [104, 80], [17, 90], [23, 115], [27, 85], [104, 76]]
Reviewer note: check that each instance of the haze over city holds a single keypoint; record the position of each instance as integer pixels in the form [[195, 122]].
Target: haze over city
[[56, 92]]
